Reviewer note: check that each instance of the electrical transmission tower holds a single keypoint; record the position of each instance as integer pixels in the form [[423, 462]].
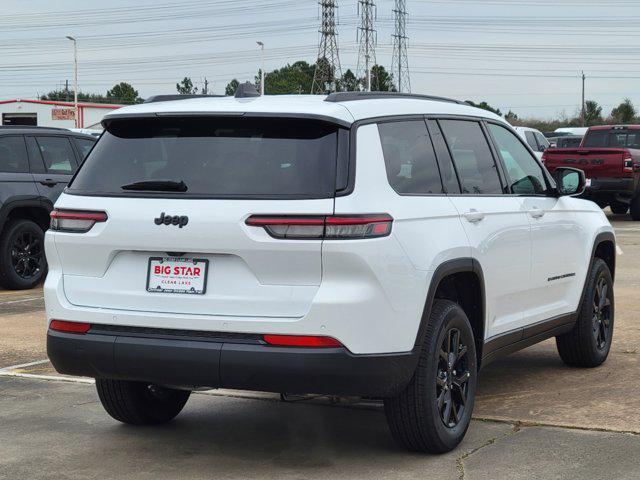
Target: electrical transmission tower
[[367, 41], [400, 63], [328, 64]]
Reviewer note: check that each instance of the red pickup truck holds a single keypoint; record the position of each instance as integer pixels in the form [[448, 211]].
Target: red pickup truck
[[609, 155]]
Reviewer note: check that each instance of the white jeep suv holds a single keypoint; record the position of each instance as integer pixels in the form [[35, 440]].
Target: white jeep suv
[[374, 245]]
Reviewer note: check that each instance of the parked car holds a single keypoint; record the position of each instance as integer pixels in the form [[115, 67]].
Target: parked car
[[565, 141], [365, 244], [534, 138], [571, 131], [610, 157], [35, 165]]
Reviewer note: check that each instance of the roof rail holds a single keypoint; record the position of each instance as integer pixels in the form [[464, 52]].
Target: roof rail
[[171, 98], [353, 96]]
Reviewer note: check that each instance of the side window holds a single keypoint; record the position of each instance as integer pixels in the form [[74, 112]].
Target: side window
[[525, 174], [543, 143], [57, 154], [471, 154], [13, 155], [84, 146], [531, 140], [409, 157]]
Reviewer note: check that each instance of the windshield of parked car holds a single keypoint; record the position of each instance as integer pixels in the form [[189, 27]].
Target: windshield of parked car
[[213, 156], [616, 138]]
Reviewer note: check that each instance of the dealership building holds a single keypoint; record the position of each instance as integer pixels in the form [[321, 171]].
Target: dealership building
[[45, 113]]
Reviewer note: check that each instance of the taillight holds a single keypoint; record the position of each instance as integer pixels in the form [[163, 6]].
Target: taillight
[[331, 227], [308, 341], [78, 221], [627, 163], [544, 157], [69, 327]]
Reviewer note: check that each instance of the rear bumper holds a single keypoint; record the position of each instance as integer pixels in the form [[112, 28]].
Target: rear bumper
[[611, 188], [218, 363]]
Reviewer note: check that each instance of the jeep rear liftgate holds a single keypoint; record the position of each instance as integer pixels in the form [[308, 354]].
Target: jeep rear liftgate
[[177, 194]]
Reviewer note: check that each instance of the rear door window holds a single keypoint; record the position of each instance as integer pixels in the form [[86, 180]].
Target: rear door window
[[57, 154], [13, 154], [214, 157], [84, 146], [543, 143], [472, 156], [409, 157]]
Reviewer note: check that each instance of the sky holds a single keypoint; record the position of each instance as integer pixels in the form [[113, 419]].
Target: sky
[[519, 55]]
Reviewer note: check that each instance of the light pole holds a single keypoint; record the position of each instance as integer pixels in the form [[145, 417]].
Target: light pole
[[75, 77], [261, 45]]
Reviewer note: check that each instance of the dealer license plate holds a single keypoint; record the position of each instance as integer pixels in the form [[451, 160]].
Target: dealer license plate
[[177, 275]]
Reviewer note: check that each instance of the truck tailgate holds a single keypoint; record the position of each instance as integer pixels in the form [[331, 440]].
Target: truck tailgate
[[595, 162]]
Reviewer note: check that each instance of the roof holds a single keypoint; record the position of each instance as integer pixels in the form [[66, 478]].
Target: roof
[[110, 106], [343, 112], [22, 129]]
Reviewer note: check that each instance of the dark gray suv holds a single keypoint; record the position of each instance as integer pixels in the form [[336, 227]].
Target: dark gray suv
[[36, 163]]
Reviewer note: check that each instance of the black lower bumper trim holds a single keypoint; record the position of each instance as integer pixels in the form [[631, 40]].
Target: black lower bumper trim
[[188, 363]]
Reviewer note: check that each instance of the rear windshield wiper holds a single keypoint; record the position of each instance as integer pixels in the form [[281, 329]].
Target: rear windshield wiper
[[157, 186]]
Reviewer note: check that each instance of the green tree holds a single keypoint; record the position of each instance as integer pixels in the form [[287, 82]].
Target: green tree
[[381, 80], [290, 79], [624, 113], [349, 83], [592, 113], [123, 93], [231, 87], [185, 87], [485, 106], [64, 95], [511, 117]]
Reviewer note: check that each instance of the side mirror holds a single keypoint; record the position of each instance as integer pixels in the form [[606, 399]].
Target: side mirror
[[569, 181]]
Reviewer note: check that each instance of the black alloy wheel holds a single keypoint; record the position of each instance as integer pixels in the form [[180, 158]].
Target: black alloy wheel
[[451, 379], [601, 313], [27, 251]]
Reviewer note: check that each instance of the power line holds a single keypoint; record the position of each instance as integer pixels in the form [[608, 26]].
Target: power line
[[400, 62], [367, 39], [328, 62]]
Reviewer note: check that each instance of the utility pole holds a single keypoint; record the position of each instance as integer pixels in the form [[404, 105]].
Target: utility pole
[[261, 45], [583, 116], [400, 62], [328, 63], [367, 40], [66, 89], [75, 78], [205, 89]]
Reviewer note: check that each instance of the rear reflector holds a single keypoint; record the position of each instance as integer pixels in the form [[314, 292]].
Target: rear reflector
[[78, 221], [69, 327], [301, 341], [332, 227]]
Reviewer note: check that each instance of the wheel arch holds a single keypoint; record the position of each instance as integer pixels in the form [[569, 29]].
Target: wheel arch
[[604, 247], [462, 281], [34, 209]]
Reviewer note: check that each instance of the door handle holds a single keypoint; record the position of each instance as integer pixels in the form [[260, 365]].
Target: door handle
[[536, 212], [474, 216], [48, 183]]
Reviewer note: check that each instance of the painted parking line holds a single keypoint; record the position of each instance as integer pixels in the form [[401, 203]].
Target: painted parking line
[[31, 299], [54, 378], [23, 365]]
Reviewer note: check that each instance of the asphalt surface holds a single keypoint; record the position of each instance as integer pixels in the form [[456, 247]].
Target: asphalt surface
[[534, 417]]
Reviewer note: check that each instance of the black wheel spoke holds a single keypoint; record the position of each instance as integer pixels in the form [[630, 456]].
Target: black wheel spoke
[[452, 378]]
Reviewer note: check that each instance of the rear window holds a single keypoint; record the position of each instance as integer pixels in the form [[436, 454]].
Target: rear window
[[214, 157], [613, 138]]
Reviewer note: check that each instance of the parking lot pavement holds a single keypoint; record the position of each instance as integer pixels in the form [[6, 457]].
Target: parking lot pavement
[[53, 426], [58, 429]]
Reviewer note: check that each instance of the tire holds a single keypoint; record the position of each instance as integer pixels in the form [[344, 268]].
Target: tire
[[139, 403], [22, 261], [416, 416], [635, 208], [619, 208], [589, 342]]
